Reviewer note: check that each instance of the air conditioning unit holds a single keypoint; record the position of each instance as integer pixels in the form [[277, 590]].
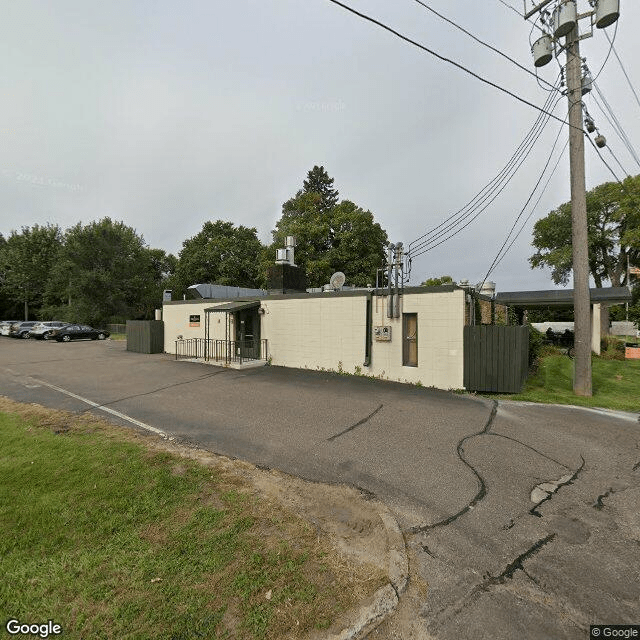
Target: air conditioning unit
[[382, 334]]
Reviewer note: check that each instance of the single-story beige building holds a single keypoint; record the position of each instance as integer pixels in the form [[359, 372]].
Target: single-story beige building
[[344, 330]]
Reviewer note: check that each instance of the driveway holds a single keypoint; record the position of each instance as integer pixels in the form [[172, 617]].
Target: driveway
[[523, 521]]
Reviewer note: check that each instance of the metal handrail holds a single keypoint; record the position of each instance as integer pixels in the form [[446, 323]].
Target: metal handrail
[[226, 351]]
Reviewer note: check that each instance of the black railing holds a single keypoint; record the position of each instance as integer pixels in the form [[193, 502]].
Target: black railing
[[225, 351]]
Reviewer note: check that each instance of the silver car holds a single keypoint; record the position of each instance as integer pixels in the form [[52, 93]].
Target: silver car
[[5, 325], [43, 330]]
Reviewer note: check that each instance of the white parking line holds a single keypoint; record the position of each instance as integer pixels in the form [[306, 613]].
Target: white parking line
[[123, 416]]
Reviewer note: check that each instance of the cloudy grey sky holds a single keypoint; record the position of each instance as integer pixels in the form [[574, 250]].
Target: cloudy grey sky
[[166, 114]]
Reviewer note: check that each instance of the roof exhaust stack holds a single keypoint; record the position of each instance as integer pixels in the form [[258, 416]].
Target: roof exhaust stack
[[286, 255]]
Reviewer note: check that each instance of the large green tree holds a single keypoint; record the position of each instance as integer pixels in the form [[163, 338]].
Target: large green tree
[[26, 260], [613, 212], [220, 254], [330, 235], [104, 273]]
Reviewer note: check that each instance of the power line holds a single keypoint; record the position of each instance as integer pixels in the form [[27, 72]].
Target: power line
[[531, 134], [615, 33], [506, 4], [623, 70], [524, 224], [618, 161], [485, 196], [482, 42], [440, 57], [613, 173], [618, 127], [526, 204], [450, 230], [615, 129]]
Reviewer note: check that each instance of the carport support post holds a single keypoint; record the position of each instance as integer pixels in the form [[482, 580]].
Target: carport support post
[[595, 329], [579, 234]]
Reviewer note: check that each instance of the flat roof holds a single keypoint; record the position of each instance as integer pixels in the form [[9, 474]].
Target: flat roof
[[448, 288], [561, 297]]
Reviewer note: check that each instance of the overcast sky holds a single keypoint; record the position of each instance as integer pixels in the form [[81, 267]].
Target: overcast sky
[[165, 115]]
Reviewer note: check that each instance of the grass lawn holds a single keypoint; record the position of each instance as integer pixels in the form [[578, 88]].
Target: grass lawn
[[118, 336], [110, 538], [616, 384]]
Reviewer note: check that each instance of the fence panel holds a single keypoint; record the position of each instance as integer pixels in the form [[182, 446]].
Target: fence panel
[[145, 336], [496, 358], [117, 328]]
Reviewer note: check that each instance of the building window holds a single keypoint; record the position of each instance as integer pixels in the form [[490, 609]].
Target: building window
[[410, 339]]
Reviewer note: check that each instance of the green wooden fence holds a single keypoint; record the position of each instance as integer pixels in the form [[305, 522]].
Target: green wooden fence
[[145, 336], [496, 358]]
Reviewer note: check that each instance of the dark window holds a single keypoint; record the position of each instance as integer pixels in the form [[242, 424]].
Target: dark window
[[410, 339]]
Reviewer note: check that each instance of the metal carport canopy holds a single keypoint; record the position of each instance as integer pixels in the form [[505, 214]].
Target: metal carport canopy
[[237, 305], [561, 297]]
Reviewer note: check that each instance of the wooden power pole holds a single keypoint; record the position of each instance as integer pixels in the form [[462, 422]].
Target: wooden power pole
[[579, 237]]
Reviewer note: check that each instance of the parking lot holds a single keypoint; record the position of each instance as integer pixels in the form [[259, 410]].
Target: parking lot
[[521, 519]]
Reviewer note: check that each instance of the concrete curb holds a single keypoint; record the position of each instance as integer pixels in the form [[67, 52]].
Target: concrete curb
[[385, 600], [613, 413]]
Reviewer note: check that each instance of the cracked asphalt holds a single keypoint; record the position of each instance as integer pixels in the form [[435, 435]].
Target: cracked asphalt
[[523, 521]]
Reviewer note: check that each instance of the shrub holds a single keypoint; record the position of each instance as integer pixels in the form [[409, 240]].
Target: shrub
[[537, 341], [611, 348]]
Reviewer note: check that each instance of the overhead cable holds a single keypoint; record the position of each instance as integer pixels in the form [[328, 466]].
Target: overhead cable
[[626, 173], [604, 64], [623, 70], [526, 204], [464, 216], [613, 173], [533, 210], [617, 127], [482, 42], [443, 58]]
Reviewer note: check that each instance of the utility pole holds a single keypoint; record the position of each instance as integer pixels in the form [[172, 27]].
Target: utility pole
[[579, 229], [564, 21]]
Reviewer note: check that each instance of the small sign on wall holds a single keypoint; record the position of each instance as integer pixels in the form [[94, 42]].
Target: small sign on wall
[[194, 321]]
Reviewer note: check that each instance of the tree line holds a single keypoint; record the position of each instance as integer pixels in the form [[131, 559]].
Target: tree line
[[613, 214], [104, 271]]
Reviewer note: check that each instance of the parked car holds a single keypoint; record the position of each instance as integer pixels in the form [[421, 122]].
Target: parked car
[[5, 325], [78, 332], [43, 330], [21, 329]]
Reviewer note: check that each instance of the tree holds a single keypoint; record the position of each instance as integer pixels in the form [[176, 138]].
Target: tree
[[104, 274], [162, 266], [319, 182], [437, 282], [330, 236], [26, 260], [613, 213], [222, 254]]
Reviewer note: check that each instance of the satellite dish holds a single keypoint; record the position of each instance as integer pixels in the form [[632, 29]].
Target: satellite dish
[[337, 280]]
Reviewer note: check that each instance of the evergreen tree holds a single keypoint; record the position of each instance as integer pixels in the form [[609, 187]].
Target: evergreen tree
[[318, 181], [330, 236]]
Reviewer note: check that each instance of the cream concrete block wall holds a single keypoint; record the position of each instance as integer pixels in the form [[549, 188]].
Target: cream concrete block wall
[[176, 322], [316, 332], [329, 331], [440, 341]]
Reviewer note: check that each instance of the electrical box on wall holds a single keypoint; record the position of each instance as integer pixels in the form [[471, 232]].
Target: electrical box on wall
[[382, 334]]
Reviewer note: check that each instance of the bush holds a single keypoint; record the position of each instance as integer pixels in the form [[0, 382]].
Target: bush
[[611, 348], [537, 341]]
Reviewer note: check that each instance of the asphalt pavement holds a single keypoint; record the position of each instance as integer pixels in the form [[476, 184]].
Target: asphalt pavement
[[522, 520]]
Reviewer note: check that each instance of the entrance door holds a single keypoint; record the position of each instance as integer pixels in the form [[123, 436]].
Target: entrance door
[[248, 334]]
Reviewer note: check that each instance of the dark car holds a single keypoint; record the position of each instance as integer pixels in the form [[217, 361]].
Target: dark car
[[78, 332], [21, 329]]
